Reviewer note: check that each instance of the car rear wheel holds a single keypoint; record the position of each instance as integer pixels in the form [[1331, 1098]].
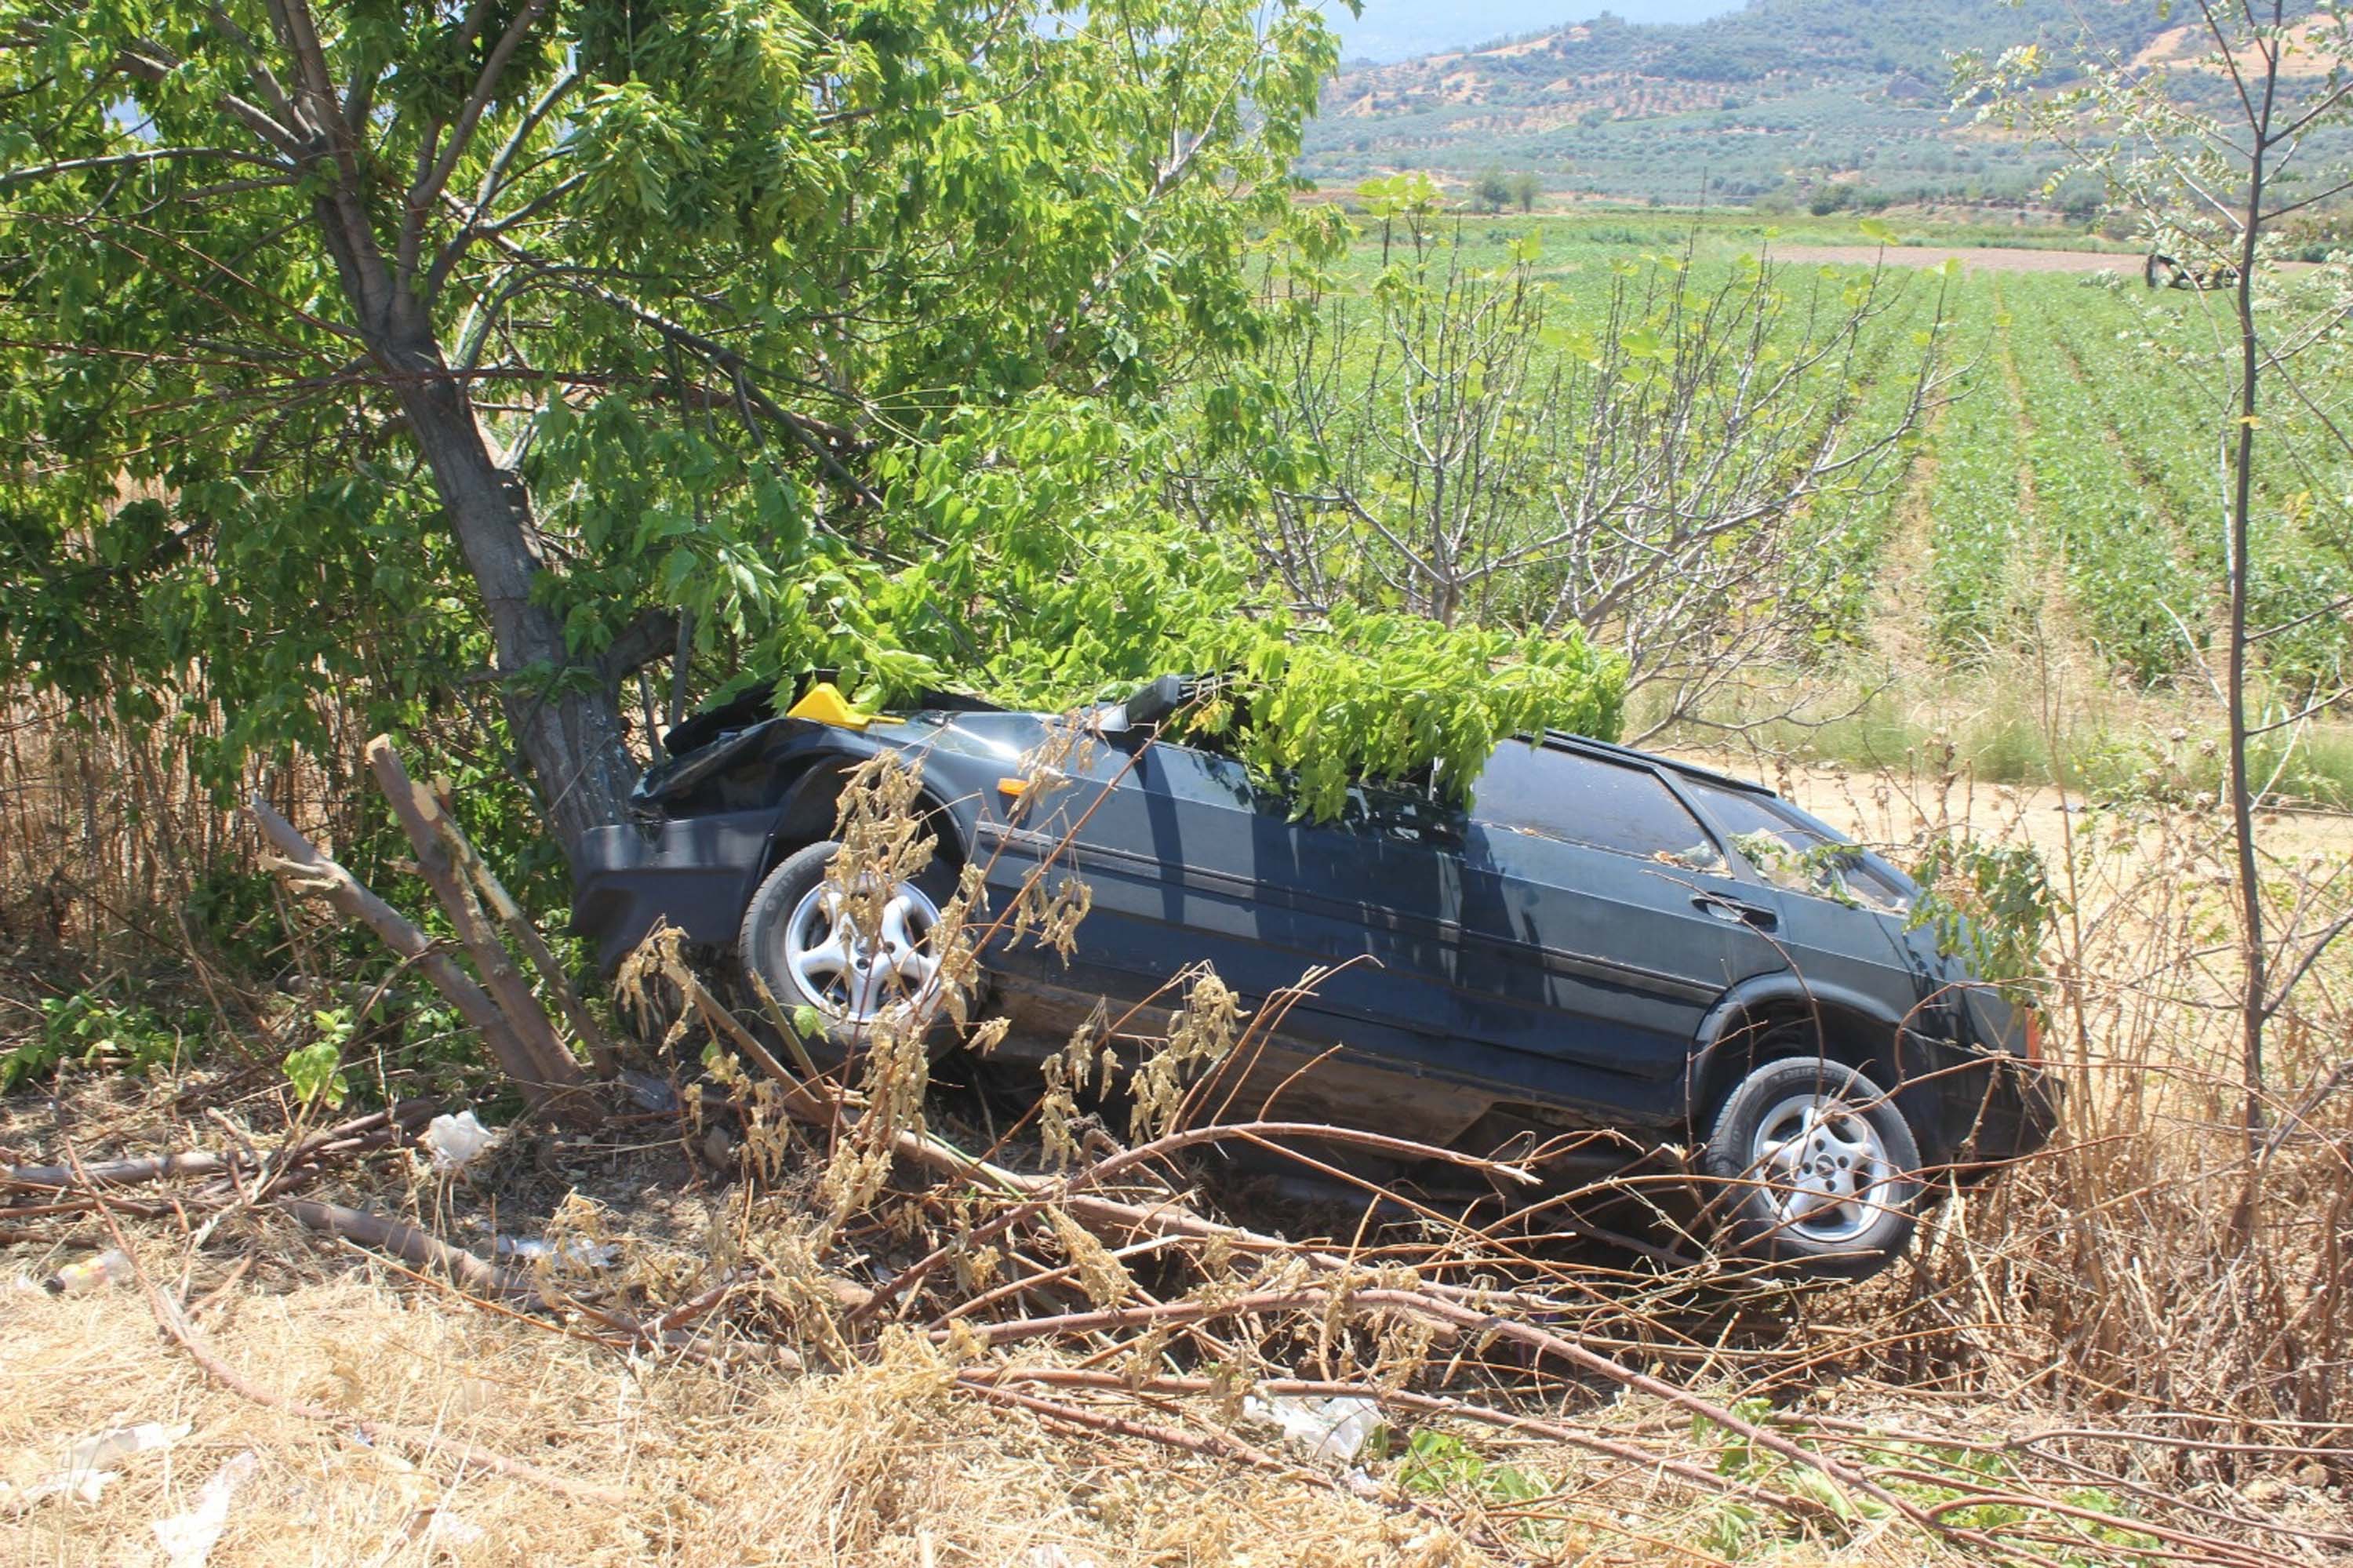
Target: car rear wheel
[[800, 938], [1819, 1172]]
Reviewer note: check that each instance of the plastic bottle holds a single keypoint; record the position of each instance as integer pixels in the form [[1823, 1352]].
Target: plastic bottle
[[109, 1267]]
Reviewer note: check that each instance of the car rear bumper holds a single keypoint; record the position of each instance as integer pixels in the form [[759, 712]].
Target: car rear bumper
[[1999, 1109], [696, 874]]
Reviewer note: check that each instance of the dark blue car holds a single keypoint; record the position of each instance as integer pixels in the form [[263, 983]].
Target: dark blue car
[[1605, 941]]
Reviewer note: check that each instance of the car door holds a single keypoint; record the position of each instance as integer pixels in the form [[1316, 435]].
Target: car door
[[1843, 910], [1601, 920], [1187, 861]]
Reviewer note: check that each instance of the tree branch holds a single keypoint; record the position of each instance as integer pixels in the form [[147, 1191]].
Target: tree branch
[[132, 160], [652, 634], [428, 186]]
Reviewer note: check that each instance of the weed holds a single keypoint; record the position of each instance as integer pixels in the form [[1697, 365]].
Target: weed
[[86, 1029], [315, 1070], [1990, 904]]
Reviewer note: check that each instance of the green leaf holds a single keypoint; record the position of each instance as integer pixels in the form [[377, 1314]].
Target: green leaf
[[316, 1075]]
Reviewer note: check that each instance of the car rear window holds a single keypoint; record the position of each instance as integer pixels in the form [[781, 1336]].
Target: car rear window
[[1584, 801], [1740, 814]]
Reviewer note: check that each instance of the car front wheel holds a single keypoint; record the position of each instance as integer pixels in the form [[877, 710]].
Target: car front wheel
[[800, 937], [1816, 1167]]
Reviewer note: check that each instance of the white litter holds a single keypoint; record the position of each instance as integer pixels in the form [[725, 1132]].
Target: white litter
[[189, 1538], [1333, 1431], [454, 1529], [85, 1476], [532, 1249], [1052, 1555], [457, 1141]]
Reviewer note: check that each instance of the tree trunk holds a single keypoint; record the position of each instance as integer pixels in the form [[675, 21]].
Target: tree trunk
[[565, 721], [565, 714], [2254, 981]]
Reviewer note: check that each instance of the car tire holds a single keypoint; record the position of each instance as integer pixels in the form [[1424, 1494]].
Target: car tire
[[807, 958], [1816, 1169]]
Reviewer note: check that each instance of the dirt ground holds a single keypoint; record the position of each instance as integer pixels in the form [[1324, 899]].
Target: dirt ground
[[417, 1396], [1888, 808], [681, 1465]]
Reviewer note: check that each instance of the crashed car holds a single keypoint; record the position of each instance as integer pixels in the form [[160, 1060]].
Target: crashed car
[[1604, 948]]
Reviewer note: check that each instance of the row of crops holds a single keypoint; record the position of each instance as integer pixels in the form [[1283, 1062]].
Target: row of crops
[[2169, 416], [2071, 491], [2085, 455], [1982, 559]]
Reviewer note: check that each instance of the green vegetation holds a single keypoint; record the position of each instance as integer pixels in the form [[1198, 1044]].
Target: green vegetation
[[2062, 499], [1991, 904], [2138, 602], [530, 359], [315, 1070], [1925, 1474], [1410, 481], [88, 1030], [1981, 562]]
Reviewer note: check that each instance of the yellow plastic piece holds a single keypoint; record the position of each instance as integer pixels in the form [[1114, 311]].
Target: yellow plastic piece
[[1017, 787], [824, 703]]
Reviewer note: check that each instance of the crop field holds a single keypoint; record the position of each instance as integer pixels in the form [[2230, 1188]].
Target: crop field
[[2066, 493]]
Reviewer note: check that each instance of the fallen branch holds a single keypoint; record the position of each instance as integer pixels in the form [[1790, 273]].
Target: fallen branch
[[117, 1172], [411, 1245], [545, 1061], [309, 870], [375, 1128]]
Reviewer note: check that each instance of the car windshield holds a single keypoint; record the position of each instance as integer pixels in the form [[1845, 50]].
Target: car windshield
[[1792, 851]]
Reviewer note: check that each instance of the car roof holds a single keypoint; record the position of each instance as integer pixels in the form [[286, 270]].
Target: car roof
[[1562, 740]]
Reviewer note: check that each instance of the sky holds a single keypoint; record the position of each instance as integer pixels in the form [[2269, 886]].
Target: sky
[[1398, 29]]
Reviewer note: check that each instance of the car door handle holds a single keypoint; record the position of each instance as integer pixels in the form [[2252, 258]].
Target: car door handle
[[1725, 908]]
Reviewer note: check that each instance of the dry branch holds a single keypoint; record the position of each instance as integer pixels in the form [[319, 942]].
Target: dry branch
[[373, 1130], [119, 1173], [411, 1245], [435, 804], [547, 1061], [307, 870]]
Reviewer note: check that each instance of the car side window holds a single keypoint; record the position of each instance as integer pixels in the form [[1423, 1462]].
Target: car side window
[[1586, 801], [1793, 852], [1188, 770]]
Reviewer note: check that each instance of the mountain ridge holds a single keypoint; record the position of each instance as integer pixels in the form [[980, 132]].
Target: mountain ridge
[[1798, 96]]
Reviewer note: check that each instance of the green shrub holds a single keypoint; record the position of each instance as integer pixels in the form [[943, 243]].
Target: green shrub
[[88, 1030]]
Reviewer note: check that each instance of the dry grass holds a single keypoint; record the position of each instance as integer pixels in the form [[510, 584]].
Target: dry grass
[[877, 1465], [881, 1462]]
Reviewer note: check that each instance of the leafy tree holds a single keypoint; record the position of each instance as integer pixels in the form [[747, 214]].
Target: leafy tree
[[1492, 191], [378, 345], [1526, 189]]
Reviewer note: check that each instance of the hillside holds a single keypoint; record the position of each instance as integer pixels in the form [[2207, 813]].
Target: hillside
[[1786, 93]]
